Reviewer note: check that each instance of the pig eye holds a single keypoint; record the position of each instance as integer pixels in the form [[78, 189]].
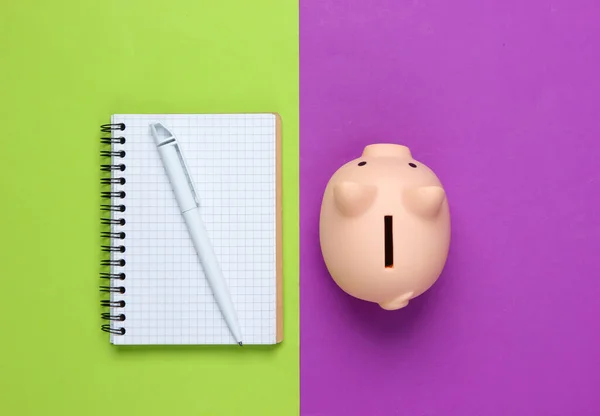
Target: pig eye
[[412, 165], [362, 163]]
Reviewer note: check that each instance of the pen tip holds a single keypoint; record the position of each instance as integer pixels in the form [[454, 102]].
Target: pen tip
[[240, 343]]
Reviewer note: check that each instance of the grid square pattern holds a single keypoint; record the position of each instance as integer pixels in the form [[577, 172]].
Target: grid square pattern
[[232, 160]]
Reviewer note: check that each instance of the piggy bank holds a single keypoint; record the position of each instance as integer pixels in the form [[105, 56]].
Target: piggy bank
[[384, 227]]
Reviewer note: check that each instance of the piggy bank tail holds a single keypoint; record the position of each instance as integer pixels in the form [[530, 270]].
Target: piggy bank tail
[[397, 303]]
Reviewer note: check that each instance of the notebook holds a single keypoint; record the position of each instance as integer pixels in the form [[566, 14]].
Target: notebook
[[154, 290]]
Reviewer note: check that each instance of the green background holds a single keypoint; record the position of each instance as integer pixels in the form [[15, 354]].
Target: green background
[[65, 67]]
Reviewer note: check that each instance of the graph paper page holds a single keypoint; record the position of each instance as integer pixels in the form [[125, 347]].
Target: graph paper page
[[232, 160]]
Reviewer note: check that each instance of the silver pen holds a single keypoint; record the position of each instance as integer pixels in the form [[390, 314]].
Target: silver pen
[[189, 204]]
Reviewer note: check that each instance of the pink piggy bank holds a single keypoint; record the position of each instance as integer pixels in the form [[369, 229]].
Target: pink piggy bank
[[385, 226]]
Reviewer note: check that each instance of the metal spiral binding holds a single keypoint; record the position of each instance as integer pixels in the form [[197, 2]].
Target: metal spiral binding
[[108, 168], [113, 303], [109, 221], [110, 181], [107, 128], [114, 207], [112, 289], [119, 276], [110, 317], [119, 194]]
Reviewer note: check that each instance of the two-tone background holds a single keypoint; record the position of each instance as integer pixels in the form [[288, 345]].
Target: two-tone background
[[500, 98]]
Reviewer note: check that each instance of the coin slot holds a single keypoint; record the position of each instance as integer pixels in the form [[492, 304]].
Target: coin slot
[[388, 241]]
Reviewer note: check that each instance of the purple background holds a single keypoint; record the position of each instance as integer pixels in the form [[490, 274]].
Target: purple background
[[501, 99]]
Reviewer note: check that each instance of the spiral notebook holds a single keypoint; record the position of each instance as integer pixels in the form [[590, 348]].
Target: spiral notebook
[[152, 283]]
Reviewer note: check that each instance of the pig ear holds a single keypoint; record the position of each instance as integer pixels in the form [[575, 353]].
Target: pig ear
[[425, 201], [353, 198]]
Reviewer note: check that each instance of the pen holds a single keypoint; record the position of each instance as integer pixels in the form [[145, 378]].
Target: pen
[[187, 199]]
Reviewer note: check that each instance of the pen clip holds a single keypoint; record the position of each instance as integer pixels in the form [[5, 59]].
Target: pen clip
[[161, 134], [162, 137], [186, 171]]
